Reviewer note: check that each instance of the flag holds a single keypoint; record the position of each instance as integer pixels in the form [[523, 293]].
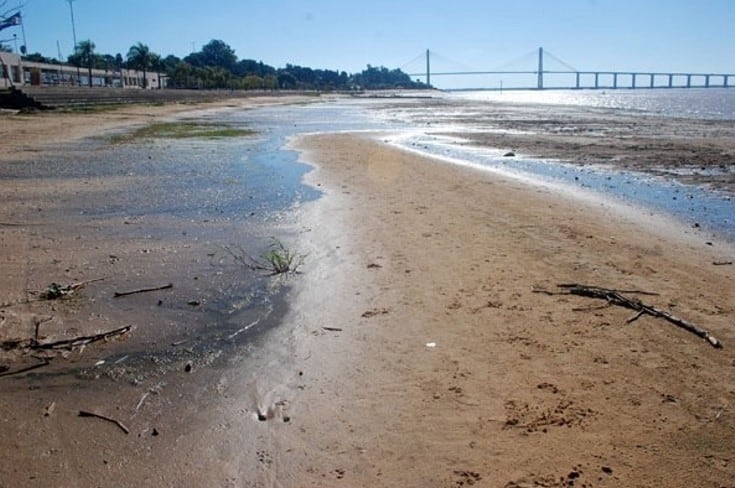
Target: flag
[[11, 21]]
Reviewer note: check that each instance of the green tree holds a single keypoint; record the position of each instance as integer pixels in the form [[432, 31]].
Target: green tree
[[140, 57], [84, 53], [252, 82], [157, 64], [215, 53], [39, 58], [270, 82], [180, 75]]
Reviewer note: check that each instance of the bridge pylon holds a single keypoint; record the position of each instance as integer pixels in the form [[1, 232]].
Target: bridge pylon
[[540, 83]]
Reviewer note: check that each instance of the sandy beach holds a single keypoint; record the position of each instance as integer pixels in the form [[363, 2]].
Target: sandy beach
[[415, 350]]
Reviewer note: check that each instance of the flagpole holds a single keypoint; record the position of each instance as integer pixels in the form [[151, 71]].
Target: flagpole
[[23, 30], [74, 33]]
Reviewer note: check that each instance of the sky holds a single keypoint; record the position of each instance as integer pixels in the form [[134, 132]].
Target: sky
[[344, 35]]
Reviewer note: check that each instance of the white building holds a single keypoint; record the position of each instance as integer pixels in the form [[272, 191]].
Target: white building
[[14, 72]]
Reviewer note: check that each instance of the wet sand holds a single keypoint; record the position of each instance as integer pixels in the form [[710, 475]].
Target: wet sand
[[698, 152], [415, 352]]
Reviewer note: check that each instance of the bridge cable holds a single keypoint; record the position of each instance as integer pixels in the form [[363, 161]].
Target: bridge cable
[[456, 64], [532, 55], [414, 60], [566, 65]]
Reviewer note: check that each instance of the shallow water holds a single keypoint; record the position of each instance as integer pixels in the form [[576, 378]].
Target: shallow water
[[697, 206], [422, 128]]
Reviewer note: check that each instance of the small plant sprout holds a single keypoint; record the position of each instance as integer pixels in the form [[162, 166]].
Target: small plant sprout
[[276, 260]]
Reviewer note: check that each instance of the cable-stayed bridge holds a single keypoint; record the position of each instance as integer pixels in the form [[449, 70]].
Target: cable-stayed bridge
[[548, 72]]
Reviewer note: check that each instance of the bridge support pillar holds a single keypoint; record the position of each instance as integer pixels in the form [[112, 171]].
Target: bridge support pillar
[[540, 81], [633, 81], [706, 81], [577, 86], [652, 80], [428, 69], [597, 81], [725, 81], [615, 80], [671, 81], [689, 81]]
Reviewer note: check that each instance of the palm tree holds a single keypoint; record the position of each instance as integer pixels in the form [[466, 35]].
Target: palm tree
[[141, 57], [157, 64], [85, 54]]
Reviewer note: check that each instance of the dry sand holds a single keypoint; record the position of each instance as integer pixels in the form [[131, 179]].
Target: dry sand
[[416, 353]]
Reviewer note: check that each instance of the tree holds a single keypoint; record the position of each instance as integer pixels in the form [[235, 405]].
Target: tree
[[140, 57], [85, 56], [39, 58], [157, 64], [215, 53], [179, 75], [252, 82]]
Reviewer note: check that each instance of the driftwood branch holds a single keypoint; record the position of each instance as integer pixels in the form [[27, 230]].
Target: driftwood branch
[[143, 290], [82, 340], [65, 343], [616, 297], [84, 413]]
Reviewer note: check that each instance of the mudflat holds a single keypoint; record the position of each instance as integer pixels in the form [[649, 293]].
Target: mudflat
[[416, 351]]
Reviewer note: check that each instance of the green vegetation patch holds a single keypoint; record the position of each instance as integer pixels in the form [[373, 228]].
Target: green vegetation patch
[[183, 130]]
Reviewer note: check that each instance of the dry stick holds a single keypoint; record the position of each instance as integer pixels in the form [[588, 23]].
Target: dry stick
[[84, 413], [82, 340], [38, 325], [606, 290], [45, 362], [615, 297], [140, 403], [143, 290]]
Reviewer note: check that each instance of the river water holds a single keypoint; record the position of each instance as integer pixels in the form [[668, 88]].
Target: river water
[[434, 128], [710, 103]]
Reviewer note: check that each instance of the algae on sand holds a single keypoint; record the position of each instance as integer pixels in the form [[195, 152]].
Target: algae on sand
[[184, 129]]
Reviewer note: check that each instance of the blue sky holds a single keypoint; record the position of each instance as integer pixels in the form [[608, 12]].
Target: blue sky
[[645, 35]]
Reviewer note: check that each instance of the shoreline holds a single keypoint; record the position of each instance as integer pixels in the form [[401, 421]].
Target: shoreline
[[664, 219], [415, 353]]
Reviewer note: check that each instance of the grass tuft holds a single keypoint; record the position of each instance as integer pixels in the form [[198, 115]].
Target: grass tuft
[[276, 260]]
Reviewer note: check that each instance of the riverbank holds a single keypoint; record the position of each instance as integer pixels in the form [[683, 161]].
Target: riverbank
[[415, 352]]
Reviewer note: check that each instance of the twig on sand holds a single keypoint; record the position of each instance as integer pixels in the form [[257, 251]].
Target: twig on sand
[[12, 224], [140, 403], [84, 413], [38, 325], [65, 343], [143, 290], [615, 297], [44, 362], [82, 340]]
